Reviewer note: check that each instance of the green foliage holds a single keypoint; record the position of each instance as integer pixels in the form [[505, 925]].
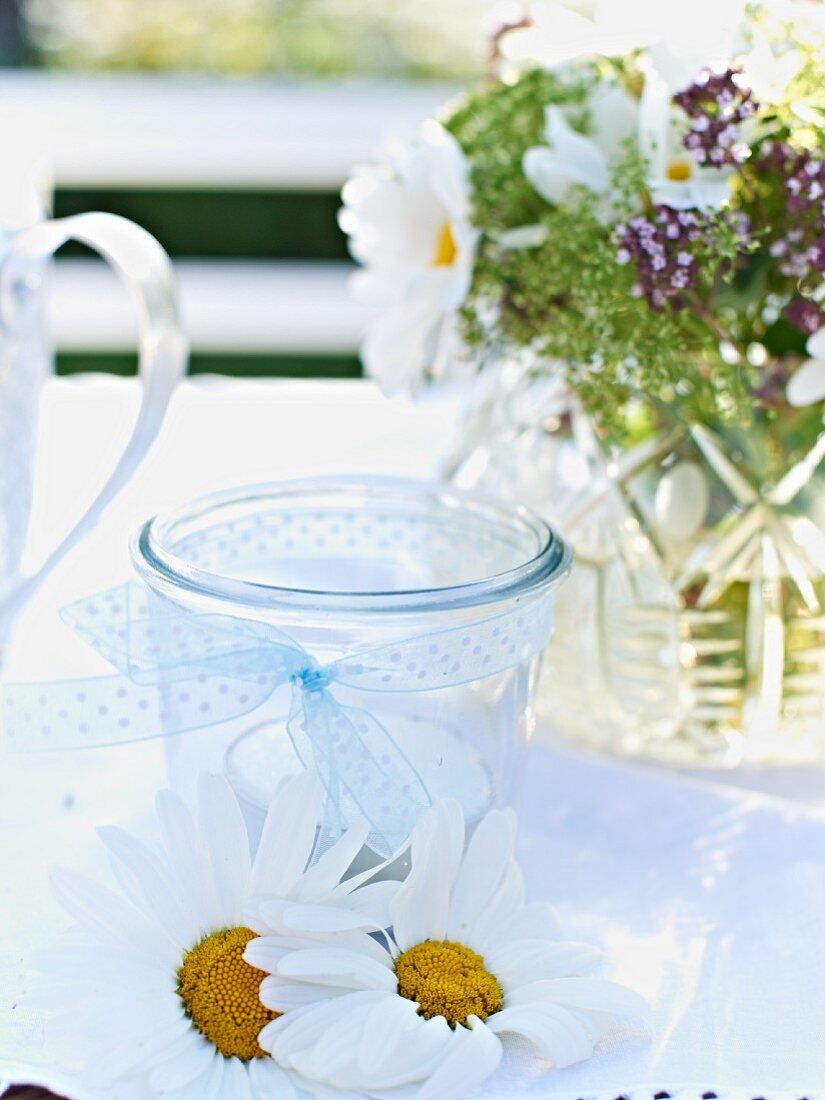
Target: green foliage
[[496, 126]]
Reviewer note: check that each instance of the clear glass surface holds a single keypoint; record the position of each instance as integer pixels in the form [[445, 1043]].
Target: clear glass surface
[[345, 568], [693, 626]]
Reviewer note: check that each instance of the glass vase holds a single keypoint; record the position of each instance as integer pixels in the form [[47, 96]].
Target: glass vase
[[386, 634], [693, 626]]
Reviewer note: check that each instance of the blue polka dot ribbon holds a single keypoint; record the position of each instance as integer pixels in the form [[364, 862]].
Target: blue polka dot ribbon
[[178, 671]]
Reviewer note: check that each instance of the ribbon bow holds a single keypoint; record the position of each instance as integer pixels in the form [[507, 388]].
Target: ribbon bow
[[180, 671]]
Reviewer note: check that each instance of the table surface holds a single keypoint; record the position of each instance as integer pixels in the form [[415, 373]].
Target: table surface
[[708, 898], [293, 429]]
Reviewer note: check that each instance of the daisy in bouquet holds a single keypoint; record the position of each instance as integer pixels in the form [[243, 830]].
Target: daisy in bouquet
[[633, 207]]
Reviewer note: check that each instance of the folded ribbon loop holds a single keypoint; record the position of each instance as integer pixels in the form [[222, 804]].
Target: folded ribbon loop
[[180, 671]]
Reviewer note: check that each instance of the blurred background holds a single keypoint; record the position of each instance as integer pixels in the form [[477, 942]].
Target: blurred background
[[226, 128]]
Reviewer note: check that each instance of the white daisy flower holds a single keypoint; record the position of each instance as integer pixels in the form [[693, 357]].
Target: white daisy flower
[[675, 179], [409, 225], [572, 159], [470, 967], [155, 980]]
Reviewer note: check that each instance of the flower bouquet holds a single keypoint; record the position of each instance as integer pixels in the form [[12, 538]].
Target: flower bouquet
[[624, 227]]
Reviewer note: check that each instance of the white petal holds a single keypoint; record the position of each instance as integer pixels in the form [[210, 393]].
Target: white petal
[[269, 1082], [426, 1044], [186, 857], [386, 1025], [98, 963], [816, 344], [121, 1020], [522, 236], [321, 879], [334, 966], [188, 1064], [449, 171], [298, 1030], [473, 1055], [305, 918], [107, 915], [178, 1049], [484, 866], [331, 1058], [806, 385], [285, 994], [376, 286], [587, 994], [206, 1087], [325, 918], [571, 159], [587, 162], [710, 194], [547, 173], [556, 1034], [213, 1085], [448, 286], [536, 920], [398, 347], [356, 881], [146, 880], [690, 195], [615, 115], [505, 903], [654, 123], [265, 952], [525, 961], [421, 908], [224, 831], [122, 1057], [373, 902], [236, 1080], [288, 836], [562, 35], [379, 213]]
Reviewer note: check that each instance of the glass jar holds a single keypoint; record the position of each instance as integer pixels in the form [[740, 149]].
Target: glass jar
[[386, 633]]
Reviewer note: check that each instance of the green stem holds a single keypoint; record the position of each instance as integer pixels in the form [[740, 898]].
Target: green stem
[[705, 315], [753, 195]]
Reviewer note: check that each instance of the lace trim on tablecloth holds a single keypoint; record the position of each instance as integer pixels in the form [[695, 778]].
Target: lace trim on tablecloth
[[58, 1083], [691, 1092]]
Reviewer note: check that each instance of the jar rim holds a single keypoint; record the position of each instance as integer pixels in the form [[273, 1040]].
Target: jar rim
[[162, 568]]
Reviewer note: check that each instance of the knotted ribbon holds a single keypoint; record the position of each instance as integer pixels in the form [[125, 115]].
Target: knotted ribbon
[[179, 671]]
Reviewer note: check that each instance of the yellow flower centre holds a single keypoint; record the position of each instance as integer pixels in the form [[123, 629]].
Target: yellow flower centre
[[448, 979], [220, 992], [679, 171], [446, 249]]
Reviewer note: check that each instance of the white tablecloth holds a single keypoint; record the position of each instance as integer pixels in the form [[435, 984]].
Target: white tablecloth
[[709, 899]]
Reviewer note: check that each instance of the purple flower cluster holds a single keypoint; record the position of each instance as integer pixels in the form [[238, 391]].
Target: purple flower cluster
[[664, 251], [660, 250], [800, 249], [717, 104], [806, 315]]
